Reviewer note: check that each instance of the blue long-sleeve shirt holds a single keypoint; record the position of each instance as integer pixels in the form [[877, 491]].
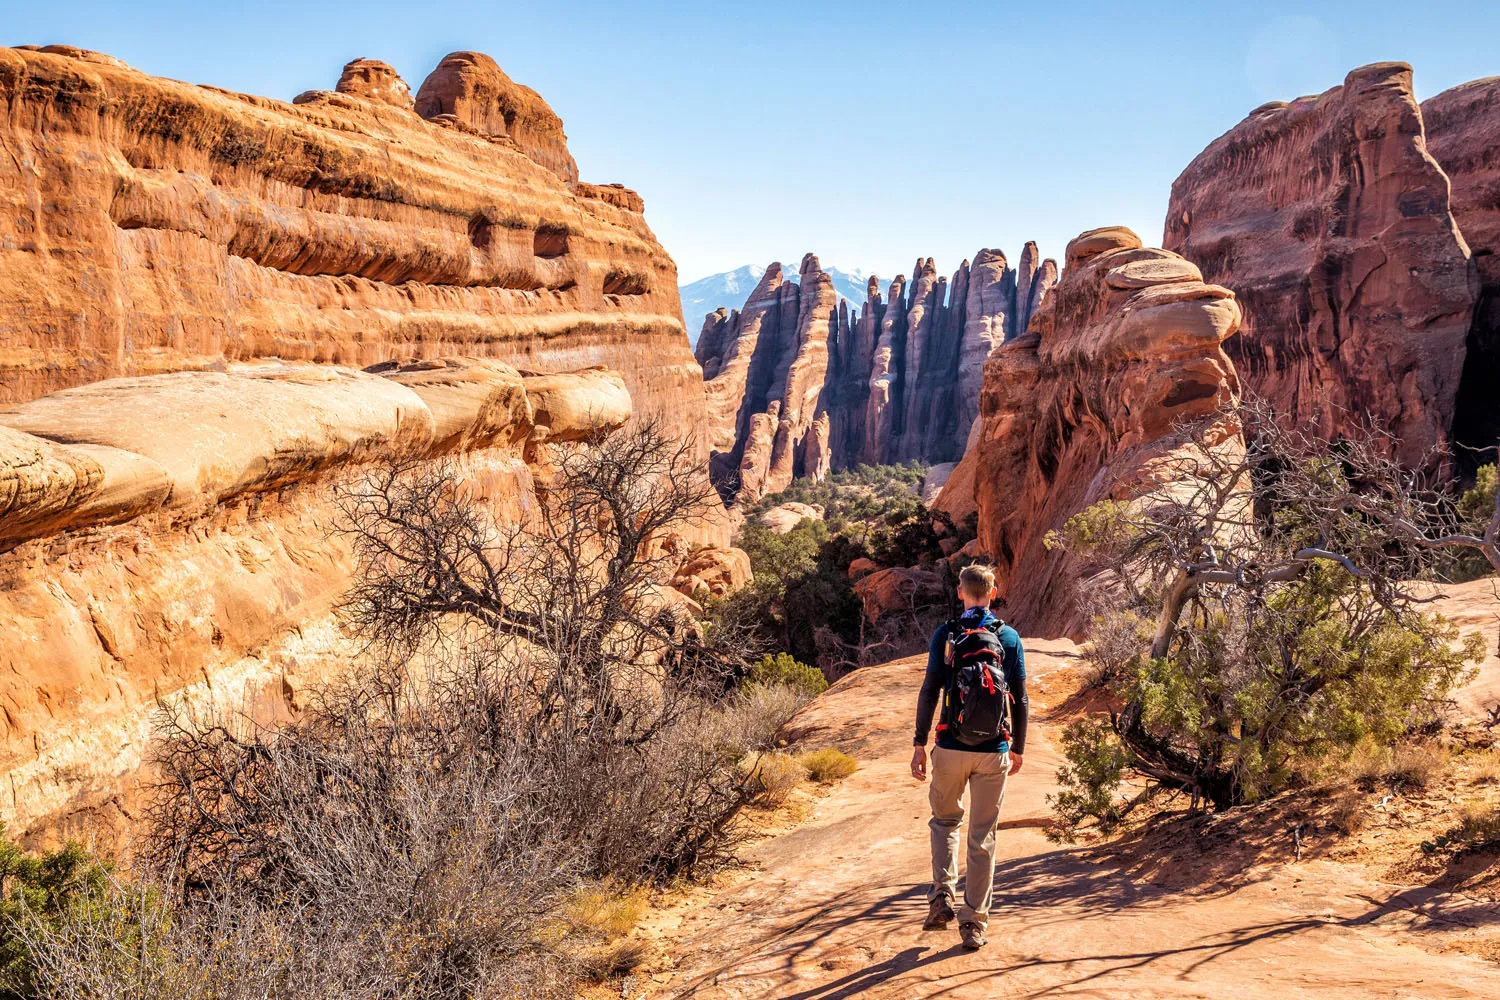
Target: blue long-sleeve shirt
[[1014, 664]]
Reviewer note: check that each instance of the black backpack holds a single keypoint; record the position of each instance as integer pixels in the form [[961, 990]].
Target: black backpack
[[976, 703]]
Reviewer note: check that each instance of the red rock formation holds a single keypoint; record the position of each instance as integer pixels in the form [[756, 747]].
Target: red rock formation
[[1331, 223], [798, 385], [1077, 409], [1463, 135], [166, 479], [472, 88], [376, 80], [152, 226], [167, 536]]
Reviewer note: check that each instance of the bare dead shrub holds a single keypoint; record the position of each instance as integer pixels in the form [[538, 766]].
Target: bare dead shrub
[[533, 717]]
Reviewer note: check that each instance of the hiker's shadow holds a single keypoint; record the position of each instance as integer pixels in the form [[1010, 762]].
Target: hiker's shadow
[[860, 980]]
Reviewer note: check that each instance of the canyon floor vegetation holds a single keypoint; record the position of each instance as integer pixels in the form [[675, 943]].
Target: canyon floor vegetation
[[1271, 620], [802, 600], [536, 734]]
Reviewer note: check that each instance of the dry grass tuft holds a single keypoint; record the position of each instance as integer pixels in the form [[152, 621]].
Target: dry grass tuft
[[828, 765], [1416, 765], [1478, 823], [613, 959], [606, 909], [774, 777]]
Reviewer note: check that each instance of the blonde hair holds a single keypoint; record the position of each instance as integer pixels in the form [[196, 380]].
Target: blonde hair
[[976, 581]]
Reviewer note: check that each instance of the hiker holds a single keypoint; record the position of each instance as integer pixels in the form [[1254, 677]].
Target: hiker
[[976, 668]]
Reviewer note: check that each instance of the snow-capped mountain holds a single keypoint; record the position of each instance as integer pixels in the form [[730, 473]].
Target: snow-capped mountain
[[730, 289]]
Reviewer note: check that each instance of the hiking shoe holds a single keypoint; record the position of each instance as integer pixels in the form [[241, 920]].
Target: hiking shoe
[[939, 913], [972, 935]]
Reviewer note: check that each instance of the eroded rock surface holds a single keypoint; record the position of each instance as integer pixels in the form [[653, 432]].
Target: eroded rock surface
[[150, 226], [1463, 135], [1332, 224], [800, 382], [1080, 407]]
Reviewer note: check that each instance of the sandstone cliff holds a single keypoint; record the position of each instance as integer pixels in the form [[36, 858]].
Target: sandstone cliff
[[800, 382], [169, 536], [152, 226], [216, 308], [1077, 409], [1332, 224], [1463, 135]]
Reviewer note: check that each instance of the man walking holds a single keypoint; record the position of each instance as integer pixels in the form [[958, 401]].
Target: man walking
[[976, 673]]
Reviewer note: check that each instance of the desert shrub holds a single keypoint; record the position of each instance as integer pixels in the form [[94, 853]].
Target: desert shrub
[[782, 668], [471, 809], [1097, 763], [44, 889], [774, 777], [828, 765], [1476, 508], [802, 601], [1478, 824], [752, 717], [1283, 631]]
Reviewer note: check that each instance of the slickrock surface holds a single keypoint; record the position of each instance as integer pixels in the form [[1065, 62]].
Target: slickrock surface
[[1331, 223], [1080, 407], [210, 563], [833, 909], [1463, 135], [150, 226], [800, 383]]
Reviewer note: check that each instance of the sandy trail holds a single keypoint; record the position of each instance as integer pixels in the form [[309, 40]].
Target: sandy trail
[[836, 908]]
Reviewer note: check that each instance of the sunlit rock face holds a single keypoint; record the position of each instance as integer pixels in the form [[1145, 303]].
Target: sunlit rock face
[[800, 381], [1331, 221], [1084, 406], [153, 226], [215, 309]]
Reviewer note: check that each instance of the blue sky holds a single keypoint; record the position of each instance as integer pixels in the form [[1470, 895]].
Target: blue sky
[[868, 132]]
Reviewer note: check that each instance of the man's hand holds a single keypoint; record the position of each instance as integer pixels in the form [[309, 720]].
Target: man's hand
[[1015, 762], [919, 763]]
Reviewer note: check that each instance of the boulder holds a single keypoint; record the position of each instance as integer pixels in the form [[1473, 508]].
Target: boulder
[[576, 406], [377, 81], [716, 571], [784, 517], [475, 403], [862, 567], [898, 590]]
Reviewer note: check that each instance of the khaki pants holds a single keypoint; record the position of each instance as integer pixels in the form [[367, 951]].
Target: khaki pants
[[984, 774]]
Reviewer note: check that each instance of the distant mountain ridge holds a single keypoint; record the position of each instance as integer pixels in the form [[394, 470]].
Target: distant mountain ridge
[[730, 288]]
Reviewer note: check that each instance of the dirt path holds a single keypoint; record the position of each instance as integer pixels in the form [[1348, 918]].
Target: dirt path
[[836, 908]]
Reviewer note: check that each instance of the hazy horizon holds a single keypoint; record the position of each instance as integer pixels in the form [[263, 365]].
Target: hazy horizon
[[866, 133]]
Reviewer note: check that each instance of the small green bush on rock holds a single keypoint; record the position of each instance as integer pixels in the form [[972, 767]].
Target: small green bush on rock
[[783, 668]]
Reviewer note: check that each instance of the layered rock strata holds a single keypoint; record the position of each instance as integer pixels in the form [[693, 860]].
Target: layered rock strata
[[172, 537], [1463, 135], [149, 226], [1332, 223], [215, 309], [1084, 406], [799, 382]]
